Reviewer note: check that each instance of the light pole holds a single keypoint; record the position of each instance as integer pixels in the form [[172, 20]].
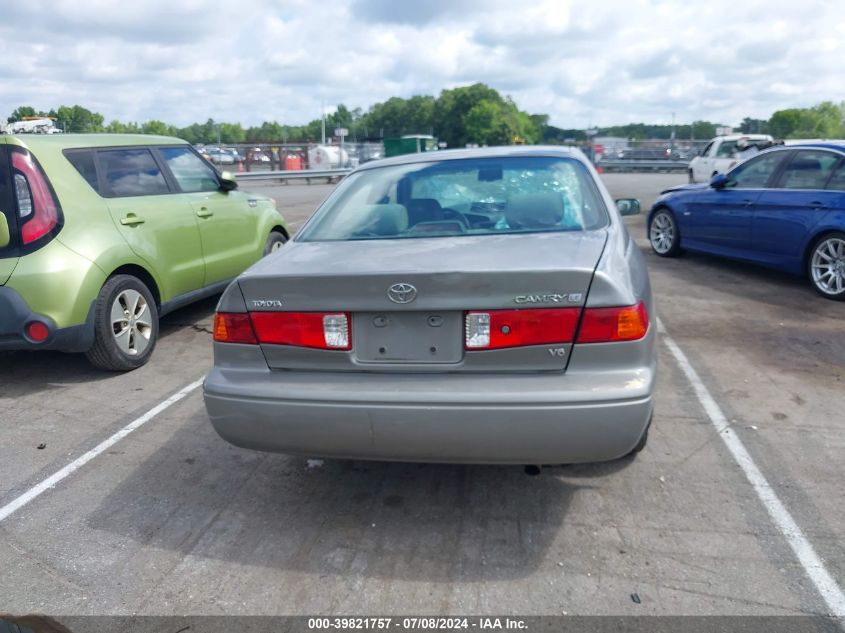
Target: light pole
[[672, 137]]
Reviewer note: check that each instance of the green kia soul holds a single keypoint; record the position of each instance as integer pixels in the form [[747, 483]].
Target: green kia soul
[[101, 234]]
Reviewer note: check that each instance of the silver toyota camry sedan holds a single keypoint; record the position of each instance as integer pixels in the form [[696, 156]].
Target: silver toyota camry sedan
[[476, 306]]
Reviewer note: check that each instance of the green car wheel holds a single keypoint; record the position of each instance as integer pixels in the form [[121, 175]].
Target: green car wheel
[[274, 242], [125, 325]]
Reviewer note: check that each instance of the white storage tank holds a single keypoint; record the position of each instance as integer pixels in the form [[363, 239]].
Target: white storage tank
[[327, 157]]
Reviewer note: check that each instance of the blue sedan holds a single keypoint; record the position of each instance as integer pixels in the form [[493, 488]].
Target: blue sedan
[[784, 208]]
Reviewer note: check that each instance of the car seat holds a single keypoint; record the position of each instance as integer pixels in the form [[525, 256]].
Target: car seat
[[535, 210], [423, 210], [385, 220]]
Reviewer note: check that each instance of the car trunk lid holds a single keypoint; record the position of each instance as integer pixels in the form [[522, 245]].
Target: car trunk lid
[[408, 299]]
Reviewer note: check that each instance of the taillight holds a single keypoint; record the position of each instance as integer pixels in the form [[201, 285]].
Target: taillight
[[605, 325], [319, 330], [233, 327], [37, 331], [37, 205], [496, 329]]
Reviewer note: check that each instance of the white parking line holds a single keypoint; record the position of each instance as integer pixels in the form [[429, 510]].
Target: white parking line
[[55, 478], [810, 561]]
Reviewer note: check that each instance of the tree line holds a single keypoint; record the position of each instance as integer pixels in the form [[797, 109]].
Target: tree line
[[459, 116], [468, 114]]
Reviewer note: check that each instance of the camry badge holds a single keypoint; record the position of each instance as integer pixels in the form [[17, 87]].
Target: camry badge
[[566, 297], [401, 293]]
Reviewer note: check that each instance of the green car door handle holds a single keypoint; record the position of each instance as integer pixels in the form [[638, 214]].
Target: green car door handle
[[131, 220], [204, 212]]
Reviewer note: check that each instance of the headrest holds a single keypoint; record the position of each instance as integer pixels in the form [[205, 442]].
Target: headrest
[[535, 210], [387, 219], [805, 164], [424, 204]]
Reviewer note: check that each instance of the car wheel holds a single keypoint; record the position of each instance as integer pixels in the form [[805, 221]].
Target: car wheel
[[274, 242], [663, 234], [826, 266], [125, 325], [691, 177]]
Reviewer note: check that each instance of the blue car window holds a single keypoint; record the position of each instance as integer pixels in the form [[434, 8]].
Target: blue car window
[[756, 172], [837, 181], [808, 169]]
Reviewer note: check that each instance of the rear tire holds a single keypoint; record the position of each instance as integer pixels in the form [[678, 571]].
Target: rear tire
[[642, 443], [125, 325], [274, 242], [826, 266], [663, 234]]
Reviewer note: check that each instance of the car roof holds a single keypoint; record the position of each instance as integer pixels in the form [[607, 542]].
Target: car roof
[[835, 145], [736, 137], [69, 141], [554, 151]]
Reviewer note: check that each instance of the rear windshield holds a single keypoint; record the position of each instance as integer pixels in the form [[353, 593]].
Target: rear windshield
[[487, 196]]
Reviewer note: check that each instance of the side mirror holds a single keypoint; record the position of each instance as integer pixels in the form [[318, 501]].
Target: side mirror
[[628, 206], [719, 181], [5, 236], [227, 181]]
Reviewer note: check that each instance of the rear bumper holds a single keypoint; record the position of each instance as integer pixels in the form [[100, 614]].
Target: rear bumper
[[15, 315], [505, 419]]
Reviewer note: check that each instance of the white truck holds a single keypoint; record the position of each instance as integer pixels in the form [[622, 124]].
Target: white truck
[[720, 155], [31, 125]]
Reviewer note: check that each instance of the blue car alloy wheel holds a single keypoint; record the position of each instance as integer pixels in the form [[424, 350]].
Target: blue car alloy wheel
[[827, 266]]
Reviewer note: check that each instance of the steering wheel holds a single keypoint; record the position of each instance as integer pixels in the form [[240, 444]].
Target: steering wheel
[[453, 214]]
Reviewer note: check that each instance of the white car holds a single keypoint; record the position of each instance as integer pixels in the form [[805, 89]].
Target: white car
[[220, 156], [720, 155]]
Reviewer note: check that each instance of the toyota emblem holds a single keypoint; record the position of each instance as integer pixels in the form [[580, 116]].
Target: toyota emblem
[[401, 293]]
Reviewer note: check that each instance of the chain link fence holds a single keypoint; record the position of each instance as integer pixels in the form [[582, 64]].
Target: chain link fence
[[609, 153], [620, 154], [258, 157]]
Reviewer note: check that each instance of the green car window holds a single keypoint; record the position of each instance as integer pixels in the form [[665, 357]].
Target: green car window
[[189, 170], [83, 161], [131, 172]]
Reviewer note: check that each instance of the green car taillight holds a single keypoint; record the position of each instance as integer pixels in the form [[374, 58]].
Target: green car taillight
[[37, 205]]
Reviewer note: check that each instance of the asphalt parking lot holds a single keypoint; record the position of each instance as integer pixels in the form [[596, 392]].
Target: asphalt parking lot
[[172, 520]]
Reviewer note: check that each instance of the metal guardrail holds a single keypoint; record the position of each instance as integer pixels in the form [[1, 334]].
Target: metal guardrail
[[643, 165], [297, 174]]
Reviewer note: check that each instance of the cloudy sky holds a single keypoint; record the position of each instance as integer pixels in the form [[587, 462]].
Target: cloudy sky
[[583, 62]]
